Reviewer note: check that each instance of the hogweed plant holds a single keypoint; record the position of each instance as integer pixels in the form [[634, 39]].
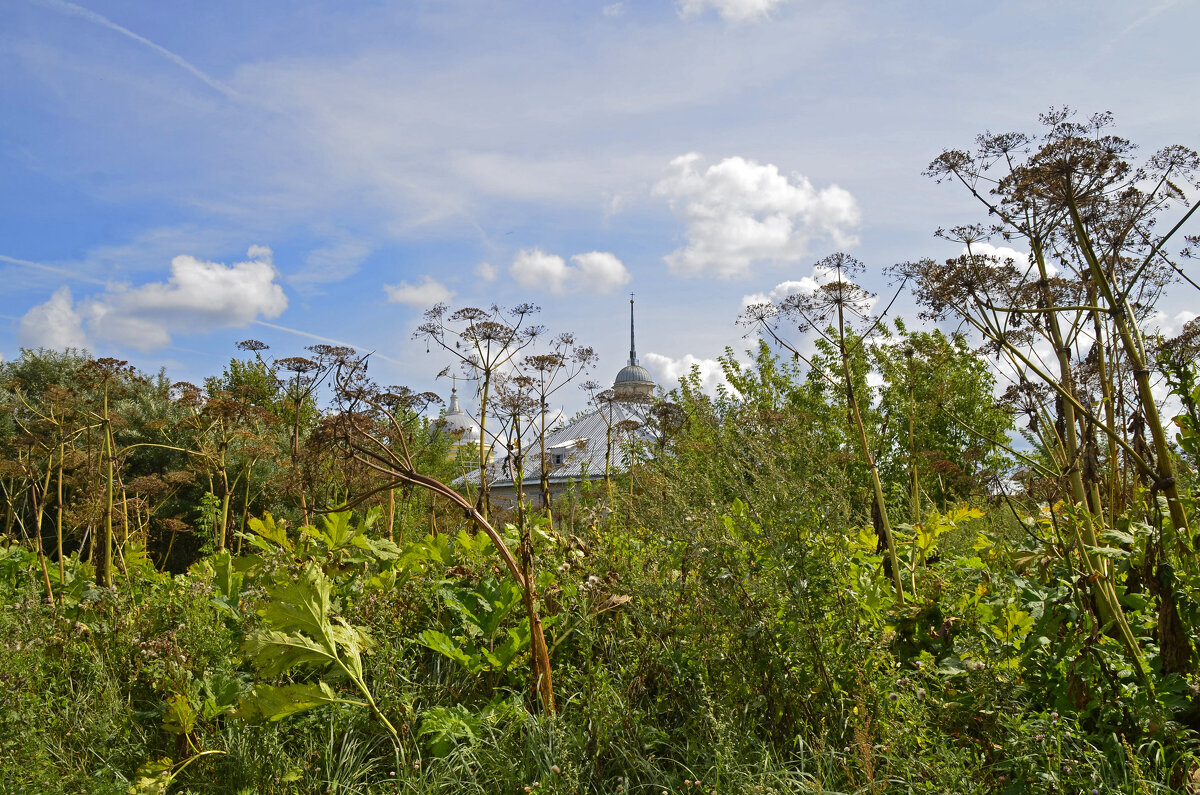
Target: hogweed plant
[[828, 311], [372, 436]]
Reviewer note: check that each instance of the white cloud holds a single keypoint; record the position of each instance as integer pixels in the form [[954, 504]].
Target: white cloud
[[599, 271], [613, 9], [429, 292], [807, 284], [1004, 253], [595, 271], [739, 212], [198, 296], [1170, 325], [669, 370], [533, 267], [54, 324], [730, 10], [487, 271]]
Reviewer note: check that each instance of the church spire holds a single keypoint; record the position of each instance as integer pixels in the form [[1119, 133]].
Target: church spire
[[632, 348], [633, 381], [454, 407]]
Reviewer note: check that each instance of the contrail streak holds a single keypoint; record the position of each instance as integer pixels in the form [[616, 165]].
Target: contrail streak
[[92, 16], [52, 269], [330, 340]]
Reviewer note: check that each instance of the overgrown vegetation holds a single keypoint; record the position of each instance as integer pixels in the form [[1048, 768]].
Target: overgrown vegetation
[[838, 573]]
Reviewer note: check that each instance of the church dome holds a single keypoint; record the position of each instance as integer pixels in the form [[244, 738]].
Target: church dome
[[633, 373], [633, 380], [456, 421]]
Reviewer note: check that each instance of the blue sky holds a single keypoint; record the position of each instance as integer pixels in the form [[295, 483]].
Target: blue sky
[[179, 176]]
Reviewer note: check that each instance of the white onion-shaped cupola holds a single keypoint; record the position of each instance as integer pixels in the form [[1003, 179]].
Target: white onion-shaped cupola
[[459, 423]]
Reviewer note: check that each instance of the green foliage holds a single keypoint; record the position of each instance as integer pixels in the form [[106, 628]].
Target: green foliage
[[300, 629], [725, 617]]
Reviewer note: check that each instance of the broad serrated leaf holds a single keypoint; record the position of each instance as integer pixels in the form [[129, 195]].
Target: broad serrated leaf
[[1115, 536], [444, 645], [267, 528], [153, 777], [267, 702], [275, 652], [221, 693], [379, 548], [180, 717], [302, 604]]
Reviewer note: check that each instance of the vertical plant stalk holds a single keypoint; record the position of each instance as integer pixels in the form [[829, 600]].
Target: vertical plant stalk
[[542, 684], [397, 466], [58, 523], [483, 501], [104, 568], [390, 524], [914, 484], [38, 511], [889, 540], [1097, 567], [1114, 479], [1130, 336]]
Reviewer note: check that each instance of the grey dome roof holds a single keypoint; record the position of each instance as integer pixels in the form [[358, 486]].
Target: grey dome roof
[[633, 373]]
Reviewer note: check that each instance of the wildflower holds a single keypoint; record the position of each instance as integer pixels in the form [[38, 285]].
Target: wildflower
[[555, 770], [1053, 716], [893, 697], [920, 694], [1037, 738]]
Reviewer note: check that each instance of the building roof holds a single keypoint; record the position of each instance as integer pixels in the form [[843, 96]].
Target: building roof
[[578, 448], [633, 373]]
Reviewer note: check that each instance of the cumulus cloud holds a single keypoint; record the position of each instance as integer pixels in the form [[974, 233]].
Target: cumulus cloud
[[1004, 253], [429, 292], [806, 284], [595, 271], [487, 271], [730, 10], [669, 370], [739, 212], [54, 324], [198, 296], [1170, 325]]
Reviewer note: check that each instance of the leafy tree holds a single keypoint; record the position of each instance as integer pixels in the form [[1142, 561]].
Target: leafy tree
[[945, 431]]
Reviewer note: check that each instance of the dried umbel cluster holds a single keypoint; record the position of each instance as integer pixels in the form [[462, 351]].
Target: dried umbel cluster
[[1062, 305]]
